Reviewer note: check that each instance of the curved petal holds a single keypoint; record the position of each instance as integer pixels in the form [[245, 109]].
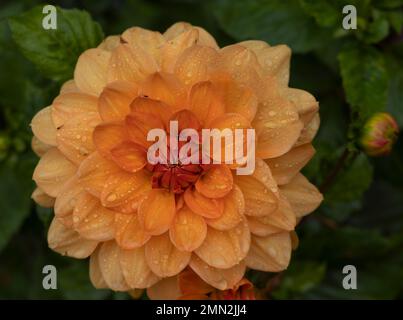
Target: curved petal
[[93, 221], [129, 156], [303, 196], [129, 232], [71, 105], [114, 101], [90, 74], [41, 198], [191, 284], [157, 211], [309, 131], [165, 289], [221, 279], [109, 264], [43, 127], [234, 209], [205, 39], [271, 253], [304, 102], [94, 171], [52, 171], [109, 135], [96, 277], [285, 167], [39, 147], [163, 258], [68, 242], [216, 183], [68, 197], [68, 87], [131, 63], [110, 43], [261, 229], [225, 249], [188, 230], [135, 269], [206, 207]]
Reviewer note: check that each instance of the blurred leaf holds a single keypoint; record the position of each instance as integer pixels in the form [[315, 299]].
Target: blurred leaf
[[365, 79], [299, 278], [377, 30], [15, 189], [274, 21], [55, 52], [395, 94], [326, 13]]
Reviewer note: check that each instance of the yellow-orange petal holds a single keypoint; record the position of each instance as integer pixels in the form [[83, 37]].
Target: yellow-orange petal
[[39, 147], [52, 171], [129, 232], [216, 183], [118, 188], [94, 171], [114, 101], [107, 136], [304, 102], [271, 253], [260, 200], [302, 195], [71, 105], [135, 268], [206, 207], [109, 43], [74, 138], [157, 211], [41, 198], [93, 221], [261, 229], [234, 209], [68, 87], [191, 284], [205, 102], [195, 63], [68, 242], [43, 126], [96, 277], [221, 279], [67, 198], [309, 131], [109, 264], [129, 156], [132, 203], [150, 41], [163, 258], [283, 217], [285, 167], [90, 74], [204, 38], [131, 63], [188, 230], [165, 289], [225, 249]]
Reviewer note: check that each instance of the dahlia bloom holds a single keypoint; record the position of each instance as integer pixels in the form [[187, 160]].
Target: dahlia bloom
[[141, 224], [379, 134]]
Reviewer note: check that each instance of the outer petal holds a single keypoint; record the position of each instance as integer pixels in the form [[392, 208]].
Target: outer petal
[[52, 171], [309, 131], [225, 249], [271, 253], [110, 43], [285, 167], [216, 183], [95, 272], [91, 70], [68, 242], [206, 207], [109, 264], [43, 126], [205, 39], [129, 232], [303, 196], [261, 229], [221, 279], [135, 269], [164, 259], [70, 105], [114, 101], [188, 230], [157, 211], [93, 221], [131, 63], [234, 209], [68, 197], [191, 284], [39, 147], [68, 87], [41, 198], [166, 289], [304, 102]]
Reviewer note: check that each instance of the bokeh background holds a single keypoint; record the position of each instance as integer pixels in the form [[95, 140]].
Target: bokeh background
[[352, 73]]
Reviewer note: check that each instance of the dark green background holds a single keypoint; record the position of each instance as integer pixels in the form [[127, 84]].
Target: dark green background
[[352, 73]]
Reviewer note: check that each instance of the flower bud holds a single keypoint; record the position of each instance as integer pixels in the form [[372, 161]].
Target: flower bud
[[379, 134]]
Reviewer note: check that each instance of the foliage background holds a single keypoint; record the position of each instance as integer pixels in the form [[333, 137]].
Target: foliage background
[[352, 73]]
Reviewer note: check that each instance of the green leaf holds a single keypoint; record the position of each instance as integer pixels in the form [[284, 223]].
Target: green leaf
[[274, 21], [326, 13], [55, 52], [15, 189], [365, 80]]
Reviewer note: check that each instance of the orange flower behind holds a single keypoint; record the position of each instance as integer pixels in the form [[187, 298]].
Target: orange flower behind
[[143, 223]]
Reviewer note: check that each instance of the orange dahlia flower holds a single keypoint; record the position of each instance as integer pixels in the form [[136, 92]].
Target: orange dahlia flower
[[141, 223]]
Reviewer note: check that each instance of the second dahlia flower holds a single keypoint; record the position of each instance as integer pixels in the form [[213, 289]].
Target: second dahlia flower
[[142, 223]]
